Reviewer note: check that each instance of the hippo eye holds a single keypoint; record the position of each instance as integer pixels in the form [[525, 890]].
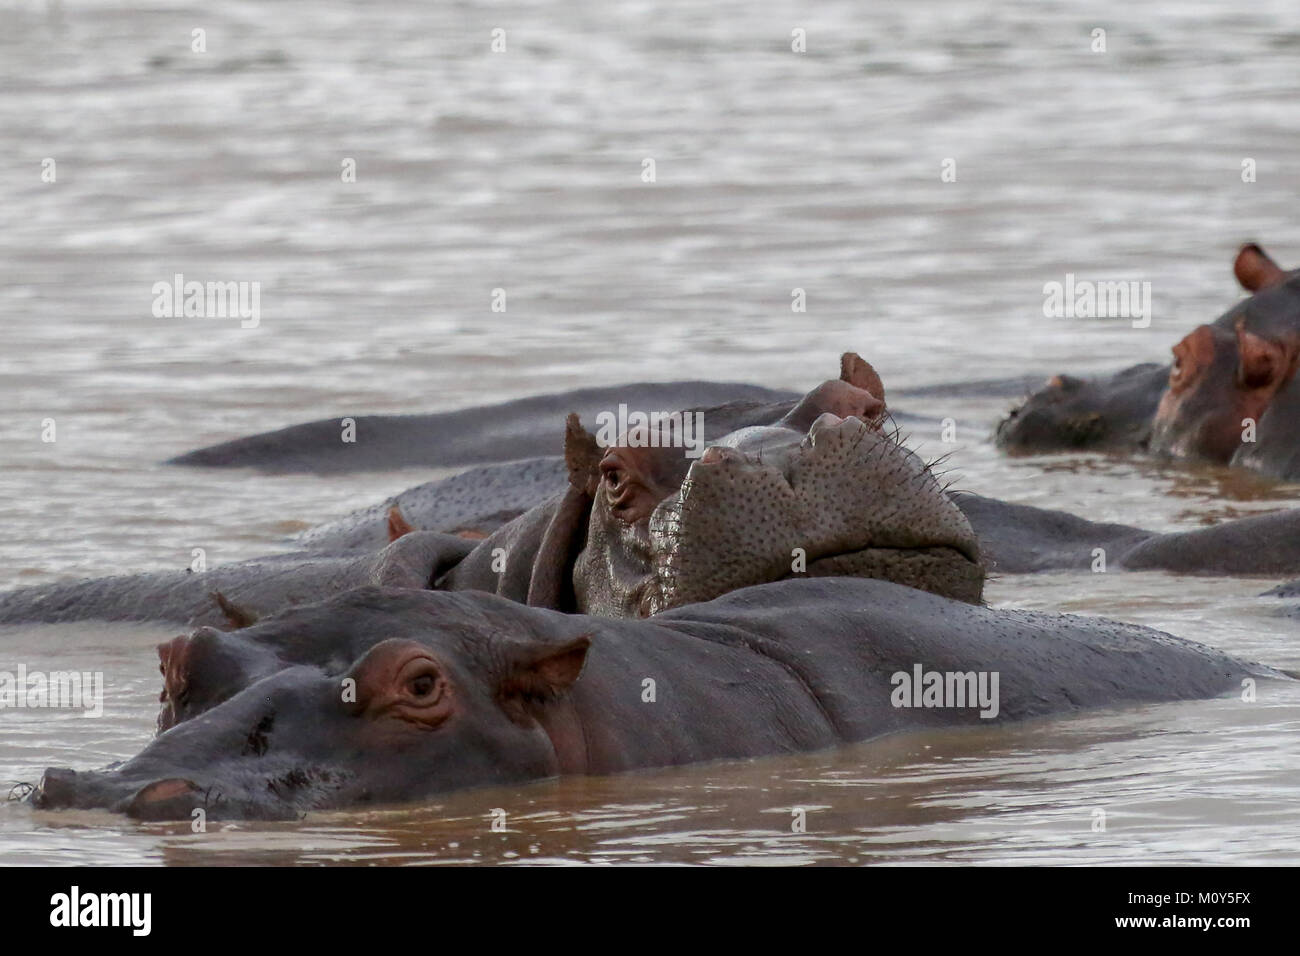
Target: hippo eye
[[423, 685]]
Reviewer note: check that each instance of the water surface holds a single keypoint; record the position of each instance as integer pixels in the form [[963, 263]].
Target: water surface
[[522, 171]]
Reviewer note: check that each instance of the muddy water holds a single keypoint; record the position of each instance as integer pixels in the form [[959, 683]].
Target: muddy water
[[522, 171]]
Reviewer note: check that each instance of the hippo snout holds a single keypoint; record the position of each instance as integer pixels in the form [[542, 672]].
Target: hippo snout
[[57, 789], [170, 798], [63, 789]]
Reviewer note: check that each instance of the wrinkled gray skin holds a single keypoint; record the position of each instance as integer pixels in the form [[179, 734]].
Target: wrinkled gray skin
[[522, 428], [458, 690], [852, 500]]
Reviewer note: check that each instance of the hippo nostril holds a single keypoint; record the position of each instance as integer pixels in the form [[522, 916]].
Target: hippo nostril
[[716, 455], [57, 788], [826, 422]]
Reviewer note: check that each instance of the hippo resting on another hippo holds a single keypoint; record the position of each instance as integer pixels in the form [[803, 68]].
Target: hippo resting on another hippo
[[1225, 376], [381, 696], [637, 528], [824, 491]]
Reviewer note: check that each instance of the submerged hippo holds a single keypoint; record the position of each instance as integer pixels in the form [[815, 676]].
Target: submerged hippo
[[1240, 367], [383, 696], [1111, 414], [521, 428], [817, 489]]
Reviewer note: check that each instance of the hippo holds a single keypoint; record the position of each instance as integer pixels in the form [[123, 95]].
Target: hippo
[[386, 695], [532, 556], [640, 527], [521, 428], [1108, 414], [1023, 539], [1193, 408], [1229, 398], [1012, 538]]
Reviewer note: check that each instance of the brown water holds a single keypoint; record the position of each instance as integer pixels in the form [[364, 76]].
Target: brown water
[[522, 171]]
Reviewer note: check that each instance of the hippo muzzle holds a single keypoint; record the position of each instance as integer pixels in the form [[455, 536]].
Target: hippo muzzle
[[843, 500], [243, 744]]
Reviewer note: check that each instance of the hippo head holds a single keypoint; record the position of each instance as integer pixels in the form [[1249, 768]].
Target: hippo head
[[1076, 414], [823, 490], [378, 696], [1226, 375]]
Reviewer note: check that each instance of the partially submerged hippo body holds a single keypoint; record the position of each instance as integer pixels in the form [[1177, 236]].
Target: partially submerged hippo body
[[818, 489], [1013, 538], [1241, 367], [381, 696], [522, 428], [859, 505]]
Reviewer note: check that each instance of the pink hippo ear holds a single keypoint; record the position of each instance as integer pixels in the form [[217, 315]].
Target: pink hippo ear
[[1263, 363], [858, 372], [398, 526], [1255, 270], [235, 615], [538, 669]]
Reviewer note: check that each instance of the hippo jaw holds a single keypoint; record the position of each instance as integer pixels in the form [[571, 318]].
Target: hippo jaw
[[847, 500]]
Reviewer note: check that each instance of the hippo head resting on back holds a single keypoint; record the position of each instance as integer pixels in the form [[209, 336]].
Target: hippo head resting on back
[[1227, 376], [644, 526]]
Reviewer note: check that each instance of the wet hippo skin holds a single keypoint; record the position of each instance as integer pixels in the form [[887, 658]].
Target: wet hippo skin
[[382, 696], [522, 428]]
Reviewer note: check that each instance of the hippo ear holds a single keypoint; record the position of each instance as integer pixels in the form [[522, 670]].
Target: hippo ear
[[235, 615], [1255, 270], [551, 582], [858, 372], [582, 455], [1263, 363], [538, 670], [397, 524]]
